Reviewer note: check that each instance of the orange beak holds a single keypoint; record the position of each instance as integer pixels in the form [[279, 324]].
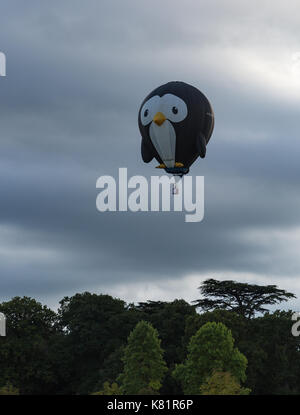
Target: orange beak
[[159, 118]]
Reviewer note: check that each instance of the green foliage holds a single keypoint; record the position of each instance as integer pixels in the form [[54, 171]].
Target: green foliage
[[279, 371], [243, 331], [9, 389], [273, 354], [222, 383], [79, 348], [237, 324], [144, 367], [169, 319], [96, 327], [108, 389], [111, 367], [242, 298], [25, 353], [211, 348]]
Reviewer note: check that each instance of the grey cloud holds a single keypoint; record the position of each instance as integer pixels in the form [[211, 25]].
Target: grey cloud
[[76, 76]]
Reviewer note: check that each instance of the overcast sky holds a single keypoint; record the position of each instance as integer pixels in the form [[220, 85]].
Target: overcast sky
[[77, 73]]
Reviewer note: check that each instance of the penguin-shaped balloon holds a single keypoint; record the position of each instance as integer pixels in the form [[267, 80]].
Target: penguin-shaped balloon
[[176, 122]]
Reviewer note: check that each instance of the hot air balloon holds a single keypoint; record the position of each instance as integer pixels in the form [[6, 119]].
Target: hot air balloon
[[176, 122]]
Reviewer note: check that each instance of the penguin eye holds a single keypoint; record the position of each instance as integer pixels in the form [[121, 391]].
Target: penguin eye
[[149, 109], [174, 108]]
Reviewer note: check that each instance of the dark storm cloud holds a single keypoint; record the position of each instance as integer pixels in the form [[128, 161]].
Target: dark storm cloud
[[76, 75]]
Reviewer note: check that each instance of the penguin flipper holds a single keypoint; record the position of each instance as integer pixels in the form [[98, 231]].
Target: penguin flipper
[[201, 145], [147, 154]]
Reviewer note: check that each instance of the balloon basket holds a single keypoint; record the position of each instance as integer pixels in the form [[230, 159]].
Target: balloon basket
[[174, 189], [176, 186]]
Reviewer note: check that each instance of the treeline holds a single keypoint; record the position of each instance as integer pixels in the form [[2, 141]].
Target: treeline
[[226, 341]]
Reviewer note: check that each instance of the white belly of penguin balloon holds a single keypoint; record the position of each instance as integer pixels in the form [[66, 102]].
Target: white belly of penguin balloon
[[163, 138]]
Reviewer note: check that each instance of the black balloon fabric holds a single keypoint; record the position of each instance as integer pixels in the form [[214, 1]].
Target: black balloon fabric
[[176, 122]]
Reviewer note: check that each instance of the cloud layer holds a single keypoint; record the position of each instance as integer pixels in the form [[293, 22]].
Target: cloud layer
[[76, 75]]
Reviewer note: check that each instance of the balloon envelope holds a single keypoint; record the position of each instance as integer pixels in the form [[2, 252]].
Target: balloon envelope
[[176, 122]]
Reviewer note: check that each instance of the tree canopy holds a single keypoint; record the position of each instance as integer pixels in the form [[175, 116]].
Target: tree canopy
[[80, 348], [222, 383], [144, 366], [242, 298], [211, 348], [25, 352]]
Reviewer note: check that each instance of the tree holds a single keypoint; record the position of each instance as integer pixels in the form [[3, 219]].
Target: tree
[[222, 383], [108, 389], [111, 367], [242, 298], [8, 389], [25, 356], [238, 325], [247, 339], [169, 319], [279, 371], [144, 366], [211, 348], [96, 326]]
